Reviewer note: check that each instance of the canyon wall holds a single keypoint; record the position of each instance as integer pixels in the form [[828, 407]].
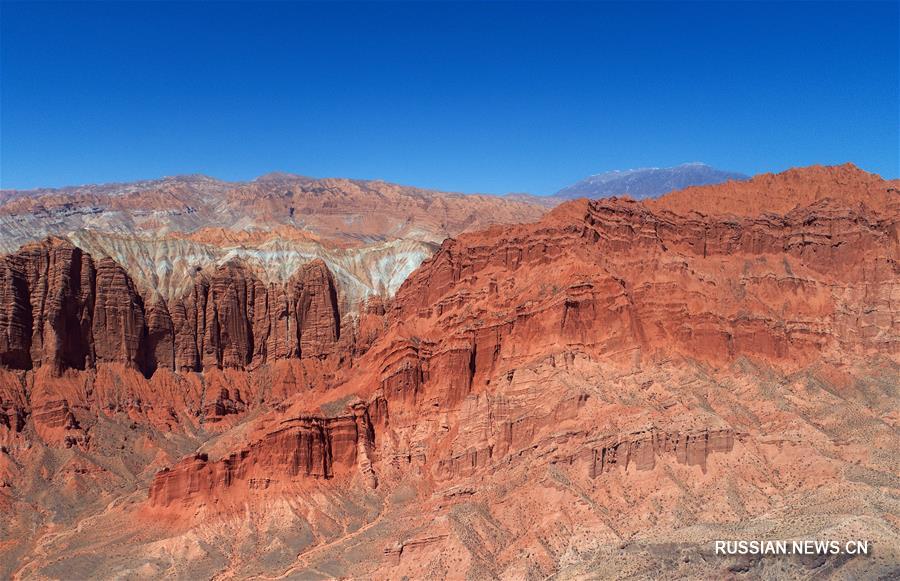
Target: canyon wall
[[648, 369], [62, 310], [303, 447]]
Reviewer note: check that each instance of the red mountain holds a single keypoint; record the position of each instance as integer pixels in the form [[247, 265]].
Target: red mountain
[[603, 392]]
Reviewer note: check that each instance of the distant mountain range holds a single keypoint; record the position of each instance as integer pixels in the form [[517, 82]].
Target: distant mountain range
[[647, 182], [164, 232]]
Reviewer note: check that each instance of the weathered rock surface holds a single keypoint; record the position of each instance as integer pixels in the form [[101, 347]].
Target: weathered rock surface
[[640, 451], [118, 326], [48, 300], [301, 448], [370, 234], [63, 311], [167, 264], [615, 386], [779, 287], [342, 209], [783, 192]]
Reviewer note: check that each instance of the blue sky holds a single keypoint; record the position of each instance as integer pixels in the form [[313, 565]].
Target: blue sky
[[499, 97]]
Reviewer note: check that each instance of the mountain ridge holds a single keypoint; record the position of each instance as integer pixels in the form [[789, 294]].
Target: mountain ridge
[[643, 183], [641, 368], [532, 399]]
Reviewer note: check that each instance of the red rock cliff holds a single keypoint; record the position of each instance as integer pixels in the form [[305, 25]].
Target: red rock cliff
[[614, 274], [615, 359], [303, 447], [47, 292], [60, 309]]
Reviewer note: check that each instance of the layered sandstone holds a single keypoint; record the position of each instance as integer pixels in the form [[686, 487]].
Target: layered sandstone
[[780, 287], [781, 193], [618, 383], [48, 302], [327, 207], [64, 311], [370, 234], [614, 278], [642, 450], [301, 448]]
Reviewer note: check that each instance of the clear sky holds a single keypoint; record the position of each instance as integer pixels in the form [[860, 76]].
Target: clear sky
[[499, 97]]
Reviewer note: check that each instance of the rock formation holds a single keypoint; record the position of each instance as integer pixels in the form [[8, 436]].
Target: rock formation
[[334, 209], [63, 311], [301, 448], [371, 235], [48, 300], [619, 382], [640, 451]]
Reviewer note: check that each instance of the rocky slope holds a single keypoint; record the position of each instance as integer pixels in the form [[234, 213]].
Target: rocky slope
[[601, 393], [781, 193], [340, 209], [167, 266], [370, 234]]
